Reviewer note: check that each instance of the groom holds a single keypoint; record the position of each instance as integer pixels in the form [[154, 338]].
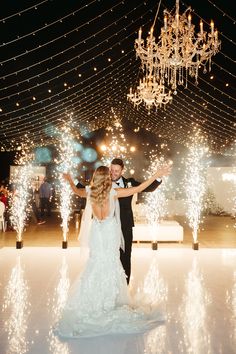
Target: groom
[[126, 213]]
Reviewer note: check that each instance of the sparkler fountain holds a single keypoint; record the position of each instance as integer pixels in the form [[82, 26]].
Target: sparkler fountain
[[156, 205], [19, 207], [231, 177], [65, 164], [195, 182]]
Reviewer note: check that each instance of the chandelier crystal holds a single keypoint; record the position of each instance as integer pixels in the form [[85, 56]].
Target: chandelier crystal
[[178, 53], [151, 93]]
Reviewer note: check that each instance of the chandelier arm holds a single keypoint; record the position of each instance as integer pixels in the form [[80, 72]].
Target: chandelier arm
[[221, 33]]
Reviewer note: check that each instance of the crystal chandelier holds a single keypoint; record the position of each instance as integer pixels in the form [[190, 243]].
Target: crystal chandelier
[[151, 93], [179, 51]]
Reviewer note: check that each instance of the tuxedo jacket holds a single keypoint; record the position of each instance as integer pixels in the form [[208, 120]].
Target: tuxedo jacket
[[126, 213]]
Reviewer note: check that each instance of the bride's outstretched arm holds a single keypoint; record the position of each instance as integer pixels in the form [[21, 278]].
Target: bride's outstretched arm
[[126, 192], [81, 192]]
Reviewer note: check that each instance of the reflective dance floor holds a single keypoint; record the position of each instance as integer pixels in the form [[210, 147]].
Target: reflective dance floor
[[196, 289]]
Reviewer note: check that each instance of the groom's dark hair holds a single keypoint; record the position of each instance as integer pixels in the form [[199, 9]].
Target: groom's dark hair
[[117, 162]]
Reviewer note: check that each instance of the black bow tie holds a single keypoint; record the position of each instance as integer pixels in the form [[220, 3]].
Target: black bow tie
[[118, 183]]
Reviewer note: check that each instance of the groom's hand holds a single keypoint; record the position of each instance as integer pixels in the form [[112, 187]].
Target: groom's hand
[[66, 176], [165, 170]]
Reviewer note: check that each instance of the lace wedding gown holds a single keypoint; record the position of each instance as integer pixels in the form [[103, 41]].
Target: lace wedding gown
[[99, 303]]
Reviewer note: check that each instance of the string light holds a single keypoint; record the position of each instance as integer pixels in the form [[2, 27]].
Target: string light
[[90, 99], [61, 19], [60, 37], [21, 117], [225, 70], [19, 13], [58, 66], [73, 47], [223, 12], [109, 74]]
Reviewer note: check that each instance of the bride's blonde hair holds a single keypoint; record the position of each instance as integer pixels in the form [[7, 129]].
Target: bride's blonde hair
[[100, 185]]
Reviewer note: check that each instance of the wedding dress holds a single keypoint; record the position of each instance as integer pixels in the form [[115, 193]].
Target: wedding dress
[[99, 303]]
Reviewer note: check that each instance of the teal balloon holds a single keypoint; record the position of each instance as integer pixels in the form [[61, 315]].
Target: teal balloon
[[43, 155], [89, 155], [77, 146], [76, 160]]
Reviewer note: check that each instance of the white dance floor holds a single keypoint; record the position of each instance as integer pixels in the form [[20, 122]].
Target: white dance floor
[[197, 290]]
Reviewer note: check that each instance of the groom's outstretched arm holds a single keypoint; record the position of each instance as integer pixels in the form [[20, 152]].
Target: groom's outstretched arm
[[150, 188]]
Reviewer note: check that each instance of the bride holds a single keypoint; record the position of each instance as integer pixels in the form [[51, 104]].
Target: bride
[[99, 303]]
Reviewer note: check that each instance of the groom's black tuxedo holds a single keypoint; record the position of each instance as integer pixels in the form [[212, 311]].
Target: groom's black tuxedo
[[127, 222]]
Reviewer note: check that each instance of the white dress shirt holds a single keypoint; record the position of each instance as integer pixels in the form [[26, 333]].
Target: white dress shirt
[[118, 184]]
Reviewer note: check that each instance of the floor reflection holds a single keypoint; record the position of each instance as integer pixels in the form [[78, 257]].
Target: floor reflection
[[198, 290], [154, 286], [16, 302], [155, 342], [231, 304], [153, 290], [196, 338], [56, 305]]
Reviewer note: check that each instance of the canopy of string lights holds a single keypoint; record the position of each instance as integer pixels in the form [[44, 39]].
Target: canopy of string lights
[[78, 58]]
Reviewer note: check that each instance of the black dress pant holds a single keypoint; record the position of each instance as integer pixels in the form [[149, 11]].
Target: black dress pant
[[45, 205], [35, 211], [125, 257]]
